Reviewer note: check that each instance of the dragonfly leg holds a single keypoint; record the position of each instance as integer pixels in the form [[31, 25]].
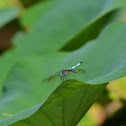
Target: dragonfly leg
[[63, 79], [66, 77]]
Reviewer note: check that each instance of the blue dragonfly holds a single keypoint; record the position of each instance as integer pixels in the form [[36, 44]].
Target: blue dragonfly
[[63, 74]]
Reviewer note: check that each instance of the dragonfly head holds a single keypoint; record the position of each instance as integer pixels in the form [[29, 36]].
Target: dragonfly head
[[59, 75]]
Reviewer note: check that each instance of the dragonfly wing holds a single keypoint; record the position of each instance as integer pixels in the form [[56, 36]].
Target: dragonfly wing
[[78, 71], [51, 78]]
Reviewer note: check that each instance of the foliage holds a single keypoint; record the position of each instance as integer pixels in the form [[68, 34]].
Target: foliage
[[59, 34]]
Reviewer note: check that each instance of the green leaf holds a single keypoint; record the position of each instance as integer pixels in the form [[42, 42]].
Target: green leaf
[[58, 26], [103, 63], [44, 38], [25, 113], [68, 103], [95, 26], [8, 14], [35, 12]]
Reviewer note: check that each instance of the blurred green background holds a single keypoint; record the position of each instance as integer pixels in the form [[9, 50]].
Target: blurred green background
[[38, 38]]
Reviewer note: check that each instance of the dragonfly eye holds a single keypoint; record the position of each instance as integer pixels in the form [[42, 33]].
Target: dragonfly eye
[[59, 75]]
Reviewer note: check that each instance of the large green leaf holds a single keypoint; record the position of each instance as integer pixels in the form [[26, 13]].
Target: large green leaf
[[103, 63], [45, 38], [94, 27], [62, 21], [48, 39], [8, 14], [68, 103], [43, 10]]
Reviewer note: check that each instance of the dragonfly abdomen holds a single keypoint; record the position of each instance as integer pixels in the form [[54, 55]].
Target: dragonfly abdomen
[[76, 65]]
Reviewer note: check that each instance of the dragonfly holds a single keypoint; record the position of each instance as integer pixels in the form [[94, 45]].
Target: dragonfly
[[63, 74]]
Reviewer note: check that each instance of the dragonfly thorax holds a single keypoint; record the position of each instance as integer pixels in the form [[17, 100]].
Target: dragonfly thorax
[[63, 73]]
